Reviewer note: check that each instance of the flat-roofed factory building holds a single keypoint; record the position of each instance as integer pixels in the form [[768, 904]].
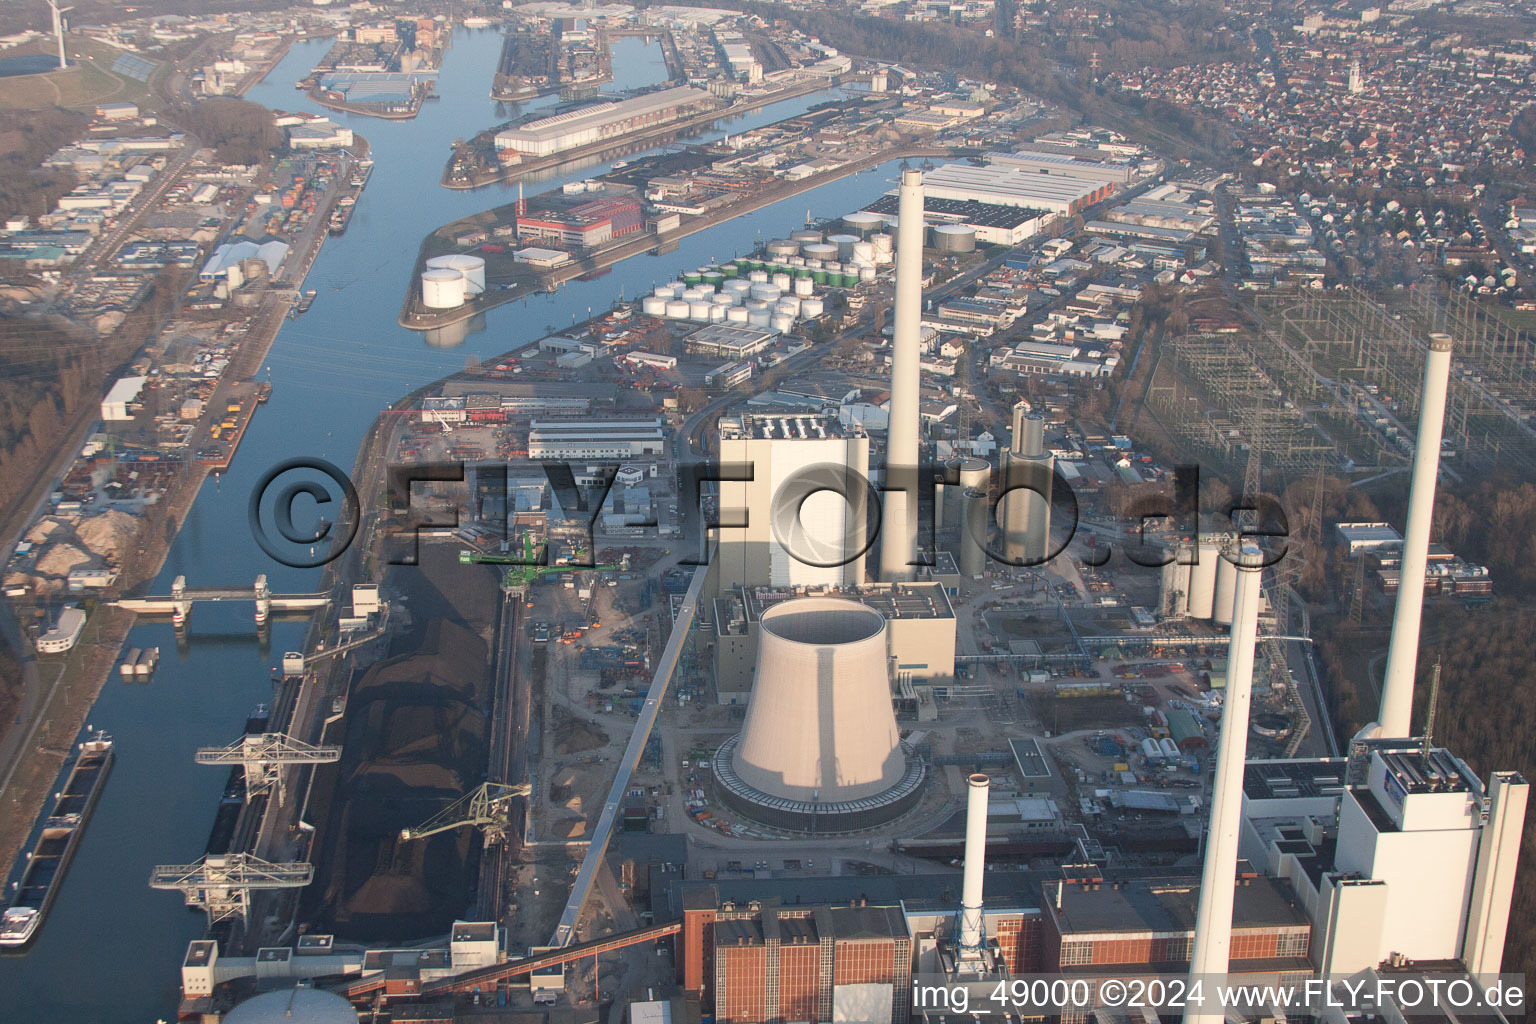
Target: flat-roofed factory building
[[549, 135]]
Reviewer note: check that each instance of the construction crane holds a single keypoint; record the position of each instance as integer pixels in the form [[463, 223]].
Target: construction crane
[[525, 566], [484, 807]]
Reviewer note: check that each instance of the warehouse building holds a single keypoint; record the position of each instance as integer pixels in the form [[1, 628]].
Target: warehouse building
[[1040, 161], [994, 224], [728, 341], [596, 439], [586, 226], [1004, 185], [550, 135]]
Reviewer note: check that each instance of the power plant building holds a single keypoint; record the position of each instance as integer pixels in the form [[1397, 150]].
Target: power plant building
[[549, 135], [805, 508]]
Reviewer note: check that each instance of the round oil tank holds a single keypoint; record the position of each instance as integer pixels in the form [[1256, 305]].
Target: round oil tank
[[805, 236], [768, 292], [818, 277], [884, 242], [954, 238], [758, 277], [1270, 725], [811, 307], [865, 274], [692, 279], [759, 318], [781, 249], [844, 244], [677, 287], [758, 305], [287, 1005], [472, 267], [1202, 580], [691, 295], [442, 288], [815, 267], [717, 314], [699, 310], [736, 287], [664, 291], [781, 322], [725, 298], [821, 251], [796, 261], [677, 309], [713, 280], [705, 289], [804, 286], [864, 224], [1226, 591], [653, 305], [864, 252], [737, 315], [781, 282], [788, 305]]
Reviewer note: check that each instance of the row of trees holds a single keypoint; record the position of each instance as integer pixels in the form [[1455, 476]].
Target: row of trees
[[26, 139]]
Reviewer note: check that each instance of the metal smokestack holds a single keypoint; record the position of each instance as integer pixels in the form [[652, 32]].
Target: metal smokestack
[[975, 862], [1027, 480], [898, 533], [1396, 715], [1218, 879]]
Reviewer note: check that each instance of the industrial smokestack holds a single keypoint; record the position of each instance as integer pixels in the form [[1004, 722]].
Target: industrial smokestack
[[1396, 717], [975, 862], [898, 545], [1027, 483], [1218, 879]]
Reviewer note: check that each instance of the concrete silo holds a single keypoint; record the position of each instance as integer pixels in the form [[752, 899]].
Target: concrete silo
[[820, 750], [1202, 580]]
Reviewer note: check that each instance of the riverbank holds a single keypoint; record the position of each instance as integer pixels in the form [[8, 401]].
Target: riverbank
[[617, 147], [87, 668], [414, 317]]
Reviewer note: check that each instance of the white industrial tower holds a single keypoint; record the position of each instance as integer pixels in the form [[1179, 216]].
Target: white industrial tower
[[1027, 503], [1395, 718], [972, 932], [898, 530], [1356, 85], [1218, 880]]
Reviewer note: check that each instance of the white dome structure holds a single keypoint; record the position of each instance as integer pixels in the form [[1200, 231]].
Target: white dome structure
[[820, 750], [298, 1005]]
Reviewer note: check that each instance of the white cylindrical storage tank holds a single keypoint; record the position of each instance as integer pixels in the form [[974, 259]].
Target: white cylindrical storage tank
[[678, 287], [804, 286], [781, 322], [677, 309], [691, 295], [814, 264], [781, 282], [954, 238], [1226, 590], [664, 291], [819, 724], [864, 252], [758, 305], [442, 288], [706, 290], [820, 251], [653, 305], [811, 307], [832, 267], [767, 292], [1202, 580], [759, 318], [884, 242], [788, 305], [724, 299], [866, 274], [736, 287], [782, 249], [699, 310], [737, 315], [717, 314], [864, 224], [796, 261], [844, 245], [758, 276], [805, 236], [472, 267]]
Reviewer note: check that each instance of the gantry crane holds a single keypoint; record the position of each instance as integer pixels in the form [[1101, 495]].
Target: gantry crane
[[525, 566], [484, 807], [264, 755], [221, 884]]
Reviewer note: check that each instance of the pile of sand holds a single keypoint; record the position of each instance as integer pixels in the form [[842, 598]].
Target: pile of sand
[[109, 534], [59, 559], [44, 528]]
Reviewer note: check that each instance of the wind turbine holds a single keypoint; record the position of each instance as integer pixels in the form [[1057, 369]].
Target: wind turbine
[[58, 28]]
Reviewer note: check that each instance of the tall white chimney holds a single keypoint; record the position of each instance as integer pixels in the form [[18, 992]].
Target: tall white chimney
[[1396, 717], [975, 862], [898, 531], [1218, 879]]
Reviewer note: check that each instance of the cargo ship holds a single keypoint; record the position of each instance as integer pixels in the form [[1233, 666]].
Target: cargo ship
[[49, 859], [144, 665], [342, 214], [222, 835], [129, 661]]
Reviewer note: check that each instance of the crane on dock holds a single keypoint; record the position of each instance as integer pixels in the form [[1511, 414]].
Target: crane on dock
[[527, 565], [264, 755], [221, 884], [484, 807]]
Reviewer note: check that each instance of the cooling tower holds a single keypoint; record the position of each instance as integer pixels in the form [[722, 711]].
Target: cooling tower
[[819, 750]]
